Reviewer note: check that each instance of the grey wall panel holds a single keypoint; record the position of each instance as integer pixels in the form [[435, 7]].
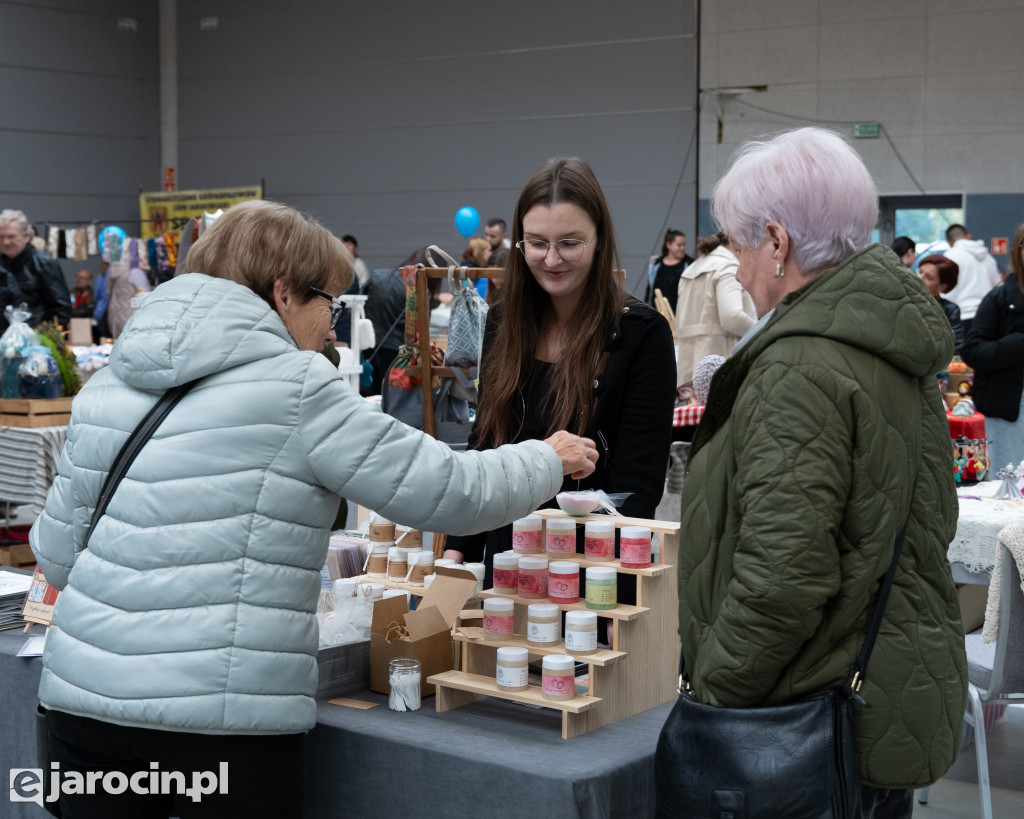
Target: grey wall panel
[[384, 118], [77, 104], [80, 37], [80, 119]]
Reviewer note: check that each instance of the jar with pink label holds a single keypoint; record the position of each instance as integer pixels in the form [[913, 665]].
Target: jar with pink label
[[560, 538], [635, 547], [599, 540], [564, 581], [558, 681], [499, 618], [533, 577], [506, 573], [527, 535]]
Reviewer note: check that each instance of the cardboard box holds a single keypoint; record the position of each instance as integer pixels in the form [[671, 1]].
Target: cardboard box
[[425, 633]]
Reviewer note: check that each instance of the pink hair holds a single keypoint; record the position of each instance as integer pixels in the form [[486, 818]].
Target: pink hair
[[812, 183]]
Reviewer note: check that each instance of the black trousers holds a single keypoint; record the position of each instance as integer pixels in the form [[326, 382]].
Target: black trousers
[[266, 774]]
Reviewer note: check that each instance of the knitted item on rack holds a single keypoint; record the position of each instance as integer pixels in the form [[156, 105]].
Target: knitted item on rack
[[1012, 537]]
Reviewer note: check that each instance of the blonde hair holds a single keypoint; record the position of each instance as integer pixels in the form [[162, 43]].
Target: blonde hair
[[258, 242], [479, 250]]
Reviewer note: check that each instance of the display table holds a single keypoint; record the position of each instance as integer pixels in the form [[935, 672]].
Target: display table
[[28, 464], [488, 758], [982, 517]]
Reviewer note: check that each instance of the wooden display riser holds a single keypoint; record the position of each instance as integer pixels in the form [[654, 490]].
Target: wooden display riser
[[650, 571], [639, 670], [620, 612], [457, 688], [601, 657]]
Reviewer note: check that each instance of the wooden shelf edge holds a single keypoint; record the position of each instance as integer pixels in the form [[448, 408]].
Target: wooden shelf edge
[[485, 686], [654, 570], [620, 612], [662, 526], [602, 657]]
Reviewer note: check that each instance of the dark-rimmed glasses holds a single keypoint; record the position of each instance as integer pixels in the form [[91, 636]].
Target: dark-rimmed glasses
[[337, 305], [569, 250]]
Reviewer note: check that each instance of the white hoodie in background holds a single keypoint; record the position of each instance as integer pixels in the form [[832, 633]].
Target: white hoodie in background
[[978, 275]]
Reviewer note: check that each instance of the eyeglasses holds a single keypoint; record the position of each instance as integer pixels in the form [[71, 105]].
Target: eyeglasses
[[337, 305], [567, 249]]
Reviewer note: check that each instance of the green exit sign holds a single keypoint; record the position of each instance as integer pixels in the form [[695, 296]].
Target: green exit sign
[[862, 130]]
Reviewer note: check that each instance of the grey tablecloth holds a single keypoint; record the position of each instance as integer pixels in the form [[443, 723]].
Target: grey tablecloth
[[490, 759]]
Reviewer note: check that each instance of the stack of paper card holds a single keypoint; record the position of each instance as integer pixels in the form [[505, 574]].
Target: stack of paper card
[[14, 585], [346, 554]]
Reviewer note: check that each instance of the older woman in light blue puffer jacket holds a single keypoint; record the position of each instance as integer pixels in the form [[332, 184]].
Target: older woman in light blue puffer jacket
[[186, 632]]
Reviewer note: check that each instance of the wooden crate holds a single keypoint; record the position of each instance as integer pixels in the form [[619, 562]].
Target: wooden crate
[[638, 671], [18, 555], [35, 412]]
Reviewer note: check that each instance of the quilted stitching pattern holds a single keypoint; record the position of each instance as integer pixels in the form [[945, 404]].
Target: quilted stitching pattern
[[803, 470]]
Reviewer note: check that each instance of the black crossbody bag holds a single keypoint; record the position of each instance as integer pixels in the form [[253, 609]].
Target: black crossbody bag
[[794, 760], [125, 457]]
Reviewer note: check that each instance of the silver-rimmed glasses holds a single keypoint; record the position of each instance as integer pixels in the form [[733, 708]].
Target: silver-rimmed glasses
[[568, 249], [337, 305]]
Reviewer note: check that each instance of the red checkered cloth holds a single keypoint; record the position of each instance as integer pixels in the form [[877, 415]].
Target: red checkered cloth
[[687, 415]]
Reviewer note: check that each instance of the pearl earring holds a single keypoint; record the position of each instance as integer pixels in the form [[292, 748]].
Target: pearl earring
[[779, 271]]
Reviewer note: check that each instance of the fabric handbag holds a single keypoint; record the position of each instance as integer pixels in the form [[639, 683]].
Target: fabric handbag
[[794, 760], [451, 414], [466, 322], [129, 451]]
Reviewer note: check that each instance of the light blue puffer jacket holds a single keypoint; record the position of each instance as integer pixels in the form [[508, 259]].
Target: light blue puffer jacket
[[193, 609]]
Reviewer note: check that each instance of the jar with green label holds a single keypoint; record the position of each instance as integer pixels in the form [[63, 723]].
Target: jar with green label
[[602, 588]]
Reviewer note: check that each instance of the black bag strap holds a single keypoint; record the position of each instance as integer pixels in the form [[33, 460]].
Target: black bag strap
[[142, 433], [860, 667], [861, 664]]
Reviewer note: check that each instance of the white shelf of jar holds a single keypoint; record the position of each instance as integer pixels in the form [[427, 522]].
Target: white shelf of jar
[[457, 688]]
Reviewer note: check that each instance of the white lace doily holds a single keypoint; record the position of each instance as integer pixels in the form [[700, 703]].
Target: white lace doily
[[981, 519]]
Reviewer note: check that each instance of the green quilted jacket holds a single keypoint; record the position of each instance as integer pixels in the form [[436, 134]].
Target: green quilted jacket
[[801, 475]]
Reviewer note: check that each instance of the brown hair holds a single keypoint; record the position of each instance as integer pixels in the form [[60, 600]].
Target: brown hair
[[1016, 266], [525, 307], [258, 242], [948, 270]]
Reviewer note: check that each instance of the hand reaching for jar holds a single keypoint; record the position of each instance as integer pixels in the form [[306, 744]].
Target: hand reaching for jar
[[578, 455]]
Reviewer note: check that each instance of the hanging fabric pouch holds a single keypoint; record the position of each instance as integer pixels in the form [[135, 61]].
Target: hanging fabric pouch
[[466, 324]]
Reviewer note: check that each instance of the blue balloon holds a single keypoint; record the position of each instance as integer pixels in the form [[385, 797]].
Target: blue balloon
[[105, 237], [467, 220]]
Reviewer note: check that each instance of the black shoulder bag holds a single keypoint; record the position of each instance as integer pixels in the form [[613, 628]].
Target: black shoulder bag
[[142, 433], [794, 760]]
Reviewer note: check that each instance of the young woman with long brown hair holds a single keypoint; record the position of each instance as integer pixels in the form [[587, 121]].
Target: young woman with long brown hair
[[567, 348]]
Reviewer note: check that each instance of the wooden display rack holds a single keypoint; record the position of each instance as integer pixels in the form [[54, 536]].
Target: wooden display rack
[[638, 671]]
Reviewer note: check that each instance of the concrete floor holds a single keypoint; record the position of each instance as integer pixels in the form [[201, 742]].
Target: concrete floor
[[956, 794]]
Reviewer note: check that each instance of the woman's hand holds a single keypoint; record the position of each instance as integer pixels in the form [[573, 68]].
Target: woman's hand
[[578, 455]]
